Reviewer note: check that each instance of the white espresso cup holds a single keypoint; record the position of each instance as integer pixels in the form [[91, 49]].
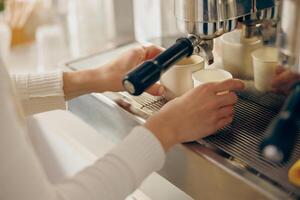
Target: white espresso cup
[[265, 61], [211, 75], [236, 54], [178, 79]]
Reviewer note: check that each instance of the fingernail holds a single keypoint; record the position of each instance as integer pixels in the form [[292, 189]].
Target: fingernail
[[161, 91]]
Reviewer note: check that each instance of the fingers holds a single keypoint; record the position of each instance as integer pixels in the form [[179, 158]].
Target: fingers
[[228, 85], [226, 100], [152, 51], [283, 82], [131, 58], [141, 53], [156, 90], [284, 78], [223, 122], [280, 79], [226, 111]]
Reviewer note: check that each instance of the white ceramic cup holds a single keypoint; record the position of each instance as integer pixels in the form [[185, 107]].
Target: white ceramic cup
[[265, 61], [210, 75], [236, 54], [178, 79]]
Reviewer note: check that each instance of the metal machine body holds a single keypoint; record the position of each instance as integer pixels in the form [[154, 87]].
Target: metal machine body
[[201, 21], [209, 18], [289, 32]]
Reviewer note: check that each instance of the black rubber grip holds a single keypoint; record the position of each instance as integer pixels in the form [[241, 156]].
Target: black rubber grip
[[284, 130], [148, 73]]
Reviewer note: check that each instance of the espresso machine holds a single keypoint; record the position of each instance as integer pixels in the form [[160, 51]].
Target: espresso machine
[[248, 159], [201, 21], [264, 134], [204, 20]]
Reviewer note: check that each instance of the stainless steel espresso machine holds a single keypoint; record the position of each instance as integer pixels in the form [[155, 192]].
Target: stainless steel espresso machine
[[201, 21], [264, 134], [248, 159]]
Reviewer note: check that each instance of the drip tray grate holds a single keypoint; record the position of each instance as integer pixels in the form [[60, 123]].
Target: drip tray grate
[[242, 137]]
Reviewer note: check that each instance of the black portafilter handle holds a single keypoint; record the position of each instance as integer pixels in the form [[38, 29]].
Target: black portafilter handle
[[149, 72], [278, 146]]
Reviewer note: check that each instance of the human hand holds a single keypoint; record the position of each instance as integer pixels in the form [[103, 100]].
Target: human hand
[[116, 70], [109, 77], [197, 114], [283, 80]]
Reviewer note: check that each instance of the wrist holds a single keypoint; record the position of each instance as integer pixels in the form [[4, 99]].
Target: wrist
[[162, 131], [83, 82]]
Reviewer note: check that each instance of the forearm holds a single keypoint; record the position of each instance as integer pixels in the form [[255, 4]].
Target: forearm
[[84, 82]]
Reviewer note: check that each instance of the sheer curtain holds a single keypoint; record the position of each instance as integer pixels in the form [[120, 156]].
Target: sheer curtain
[[91, 25], [154, 19]]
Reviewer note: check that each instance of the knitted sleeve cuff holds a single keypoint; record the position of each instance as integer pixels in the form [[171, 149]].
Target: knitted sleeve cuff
[[40, 92]]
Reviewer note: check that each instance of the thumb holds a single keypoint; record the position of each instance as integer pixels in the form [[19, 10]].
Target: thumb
[[229, 85]]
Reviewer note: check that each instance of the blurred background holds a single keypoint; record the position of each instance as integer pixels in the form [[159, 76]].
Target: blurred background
[[35, 35]]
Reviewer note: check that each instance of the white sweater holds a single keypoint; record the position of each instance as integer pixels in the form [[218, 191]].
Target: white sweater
[[22, 177]]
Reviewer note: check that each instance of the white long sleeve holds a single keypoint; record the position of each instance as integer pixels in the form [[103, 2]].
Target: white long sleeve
[[40, 92], [120, 172], [112, 177]]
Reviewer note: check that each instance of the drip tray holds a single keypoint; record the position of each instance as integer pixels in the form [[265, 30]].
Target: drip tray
[[240, 140]]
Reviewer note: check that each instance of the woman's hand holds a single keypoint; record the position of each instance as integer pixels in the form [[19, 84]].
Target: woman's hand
[[197, 114], [109, 77], [284, 79], [116, 70]]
